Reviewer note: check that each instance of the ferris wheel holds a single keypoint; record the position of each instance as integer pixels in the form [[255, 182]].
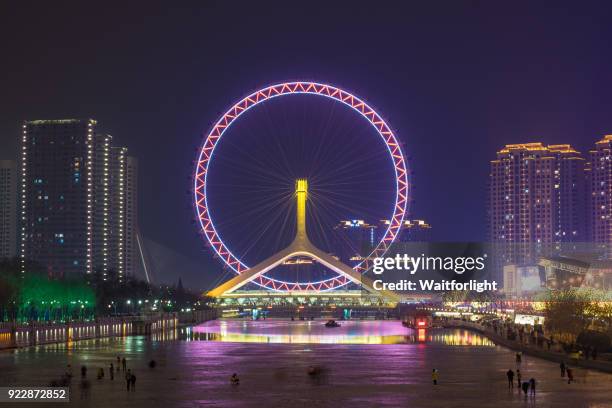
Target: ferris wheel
[[208, 154]]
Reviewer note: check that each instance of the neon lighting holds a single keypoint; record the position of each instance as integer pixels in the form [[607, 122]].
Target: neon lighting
[[301, 246], [283, 89]]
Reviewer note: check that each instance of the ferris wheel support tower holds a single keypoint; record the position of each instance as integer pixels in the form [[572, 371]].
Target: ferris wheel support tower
[[301, 246]]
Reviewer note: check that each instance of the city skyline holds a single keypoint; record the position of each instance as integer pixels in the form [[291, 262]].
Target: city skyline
[[578, 202]]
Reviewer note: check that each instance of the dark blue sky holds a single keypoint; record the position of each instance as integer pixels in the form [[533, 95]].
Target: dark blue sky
[[455, 79]]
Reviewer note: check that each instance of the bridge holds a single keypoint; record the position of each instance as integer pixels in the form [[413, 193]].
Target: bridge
[[301, 246]]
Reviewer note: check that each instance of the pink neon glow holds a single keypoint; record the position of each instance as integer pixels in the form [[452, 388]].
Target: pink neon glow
[[288, 88]]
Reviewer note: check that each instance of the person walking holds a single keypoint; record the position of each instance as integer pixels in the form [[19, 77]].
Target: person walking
[[510, 375], [111, 371], [83, 372], [518, 378], [434, 376], [133, 382], [128, 379], [570, 375], [562, 367], [84, 388], [525, 387], [532, 386], [68, 374], [123, 363]]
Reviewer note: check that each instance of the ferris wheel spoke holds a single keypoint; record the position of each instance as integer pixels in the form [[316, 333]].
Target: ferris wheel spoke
[[261, 233], [253, 212]]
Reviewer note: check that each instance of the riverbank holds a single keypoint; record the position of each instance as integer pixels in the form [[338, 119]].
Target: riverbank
[[605, 366], [18, 335]]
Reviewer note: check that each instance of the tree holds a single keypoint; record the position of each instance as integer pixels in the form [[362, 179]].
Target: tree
[[9, 288], [567, 313]]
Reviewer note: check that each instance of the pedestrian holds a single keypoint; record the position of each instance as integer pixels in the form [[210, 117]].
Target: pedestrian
[[69, 372], [83, 372], [128, 379], [234, 379], [111, 371], [570, 375], [532, 385], [525, 387], [123, 363], [518, 359], [434, 376], [84, 388], [518, 378], [562, 367], [510, 375], [133, 382]]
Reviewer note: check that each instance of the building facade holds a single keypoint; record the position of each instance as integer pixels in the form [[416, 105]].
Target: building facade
[[101, 205], [68, 199], [122, 220], [8, 209], [599, 180], [132, 253], [57, 195], [536, 200]]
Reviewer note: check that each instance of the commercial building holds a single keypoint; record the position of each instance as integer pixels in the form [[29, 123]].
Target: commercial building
[[565, 272], [521, 280]]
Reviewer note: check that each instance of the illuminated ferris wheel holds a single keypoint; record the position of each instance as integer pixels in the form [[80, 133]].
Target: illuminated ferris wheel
[[208, 221]]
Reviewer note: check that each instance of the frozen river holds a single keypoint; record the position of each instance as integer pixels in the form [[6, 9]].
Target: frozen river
[[365, 364]]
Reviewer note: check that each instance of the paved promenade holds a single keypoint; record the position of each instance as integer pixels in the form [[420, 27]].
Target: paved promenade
[[196, 374]]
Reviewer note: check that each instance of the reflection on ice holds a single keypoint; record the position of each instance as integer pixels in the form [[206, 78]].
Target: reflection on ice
[[349, 332]]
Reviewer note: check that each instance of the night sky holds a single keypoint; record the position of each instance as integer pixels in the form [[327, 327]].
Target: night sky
[[455, 80]]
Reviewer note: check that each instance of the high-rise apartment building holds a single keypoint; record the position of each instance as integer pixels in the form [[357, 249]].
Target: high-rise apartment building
[[132, 253], [8, 208], [70, 199], [536, 200], [599, 210], [101, 204], [123, 192], [57, 195]]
